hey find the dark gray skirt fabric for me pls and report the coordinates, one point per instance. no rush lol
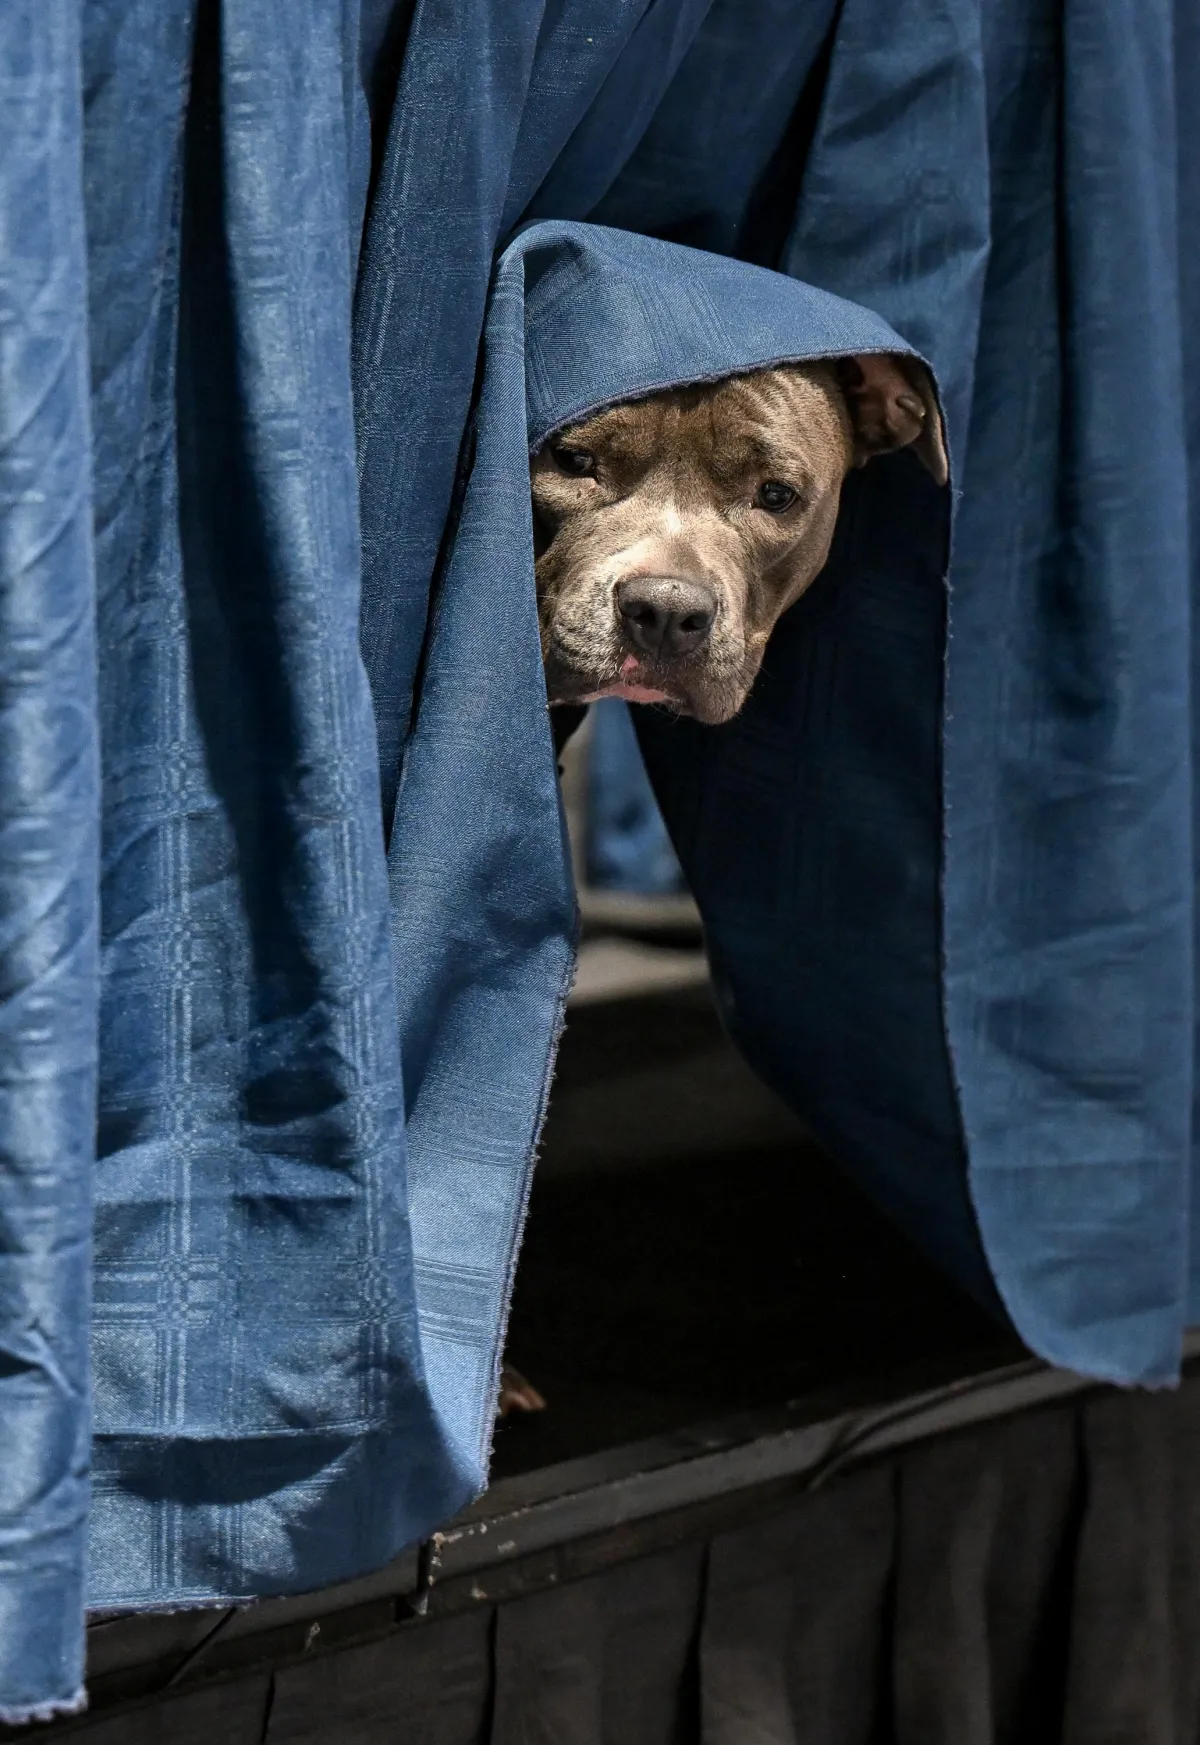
(1035, 1581)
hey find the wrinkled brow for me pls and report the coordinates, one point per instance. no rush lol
(636, 426)
(745, 449)
(736, 454)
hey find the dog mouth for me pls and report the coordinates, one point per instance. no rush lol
(629, 677)
(695, 691)
(633, 685)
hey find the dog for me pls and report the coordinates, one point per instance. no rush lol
(672, 532)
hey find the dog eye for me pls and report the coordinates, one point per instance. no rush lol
(774, 496)
(578, 463)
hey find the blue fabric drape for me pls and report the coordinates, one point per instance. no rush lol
(627, 847)
(285, 914)
(49, 897)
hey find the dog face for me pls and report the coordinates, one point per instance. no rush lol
(671, 533)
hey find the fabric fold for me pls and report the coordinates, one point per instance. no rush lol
(49, 832)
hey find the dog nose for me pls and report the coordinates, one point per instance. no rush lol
(664, 616)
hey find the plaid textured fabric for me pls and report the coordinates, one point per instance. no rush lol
(285, 913)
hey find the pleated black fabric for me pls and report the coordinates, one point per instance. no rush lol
(986, 1523)
(794, 1626)
(1033, 1581)
(225, 1715)
(1133, 1671)
(606, 1658)
(431, 1685)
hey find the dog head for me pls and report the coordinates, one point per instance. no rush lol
(671, 533)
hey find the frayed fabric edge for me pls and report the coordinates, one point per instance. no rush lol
(52, 1711)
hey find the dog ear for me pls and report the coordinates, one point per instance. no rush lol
(892, 405)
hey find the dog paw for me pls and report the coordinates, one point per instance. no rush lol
(517, 1394)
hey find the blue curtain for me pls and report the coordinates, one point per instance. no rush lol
(626, 845)
(285, 905)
